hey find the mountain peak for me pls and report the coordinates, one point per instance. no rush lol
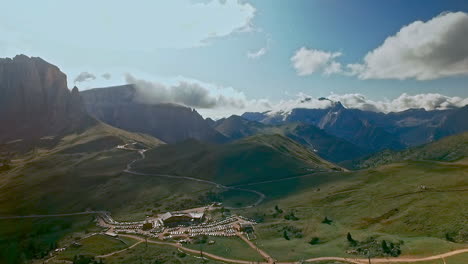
(75, 90)
(124, 107)
(337, 105)
(35, 99)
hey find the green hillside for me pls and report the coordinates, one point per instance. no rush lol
(236, 127)
(416, 203)
(82, 171)
(421, 203)
(252, 159)
(327, 146)
(450, 148)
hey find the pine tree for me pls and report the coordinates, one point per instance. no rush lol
(385, 247)
(351, 241)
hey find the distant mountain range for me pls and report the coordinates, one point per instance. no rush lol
(315, 139)
(36, 104)
(375, 131)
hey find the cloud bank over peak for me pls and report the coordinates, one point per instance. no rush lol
(191, 94)
(428, 50)
(428, 101)
(216, 102)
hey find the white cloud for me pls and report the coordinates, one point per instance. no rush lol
(307, 61)
(333, 68)
(210, 100)
(106, 76)
(188, 93)
(215, 101)
(84, 77)
(421, 50)
(256, 54)
(428, 101)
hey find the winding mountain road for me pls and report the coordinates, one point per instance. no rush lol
(50, 215)
(131, 170)
(120, 251)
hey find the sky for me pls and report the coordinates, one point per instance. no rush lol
(227, 57)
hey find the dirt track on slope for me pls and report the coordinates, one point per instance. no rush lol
(270, 260)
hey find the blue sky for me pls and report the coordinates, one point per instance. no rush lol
(255, 54)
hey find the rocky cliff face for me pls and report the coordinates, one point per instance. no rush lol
(35, 100)
(119, 107)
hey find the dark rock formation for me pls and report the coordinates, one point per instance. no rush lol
(35, 101)
(119, 106)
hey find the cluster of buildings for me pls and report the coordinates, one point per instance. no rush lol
(180, 219)
(182, 226)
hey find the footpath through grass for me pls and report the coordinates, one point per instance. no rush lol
(96, 245)
(152, 253)
(228, 247)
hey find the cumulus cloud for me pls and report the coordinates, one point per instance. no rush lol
(332, 68)
(428, 101)
(256, 54)
(83, 77)
(307, 61)
(106, 76)
(421, 50)
(216, 102)
(190, 94)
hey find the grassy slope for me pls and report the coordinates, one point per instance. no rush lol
(95, 246)
(24, 239)
(253, 159)
(457, 259)
(327, 146)
(154, 254)
(229, 247)
(362, 202)
(68, 176)
(82, 171)
(451, 148)
(386, 202)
